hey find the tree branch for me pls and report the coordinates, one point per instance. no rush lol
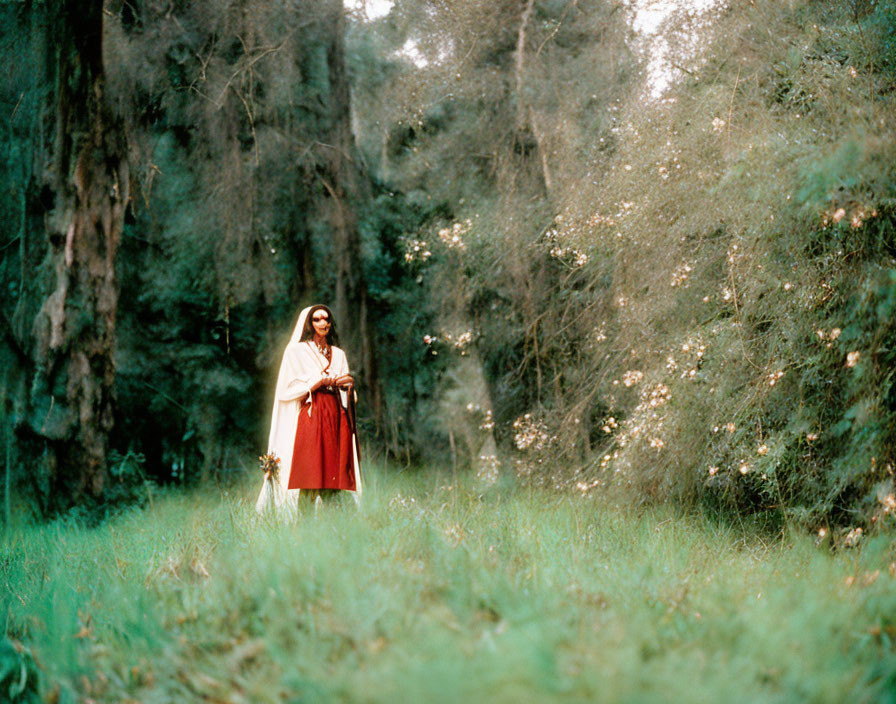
(521, 61)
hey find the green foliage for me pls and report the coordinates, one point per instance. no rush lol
(457, 132)
(665, 294)
(404, 313)
(18, 673)
(443, 592)
(881, 26)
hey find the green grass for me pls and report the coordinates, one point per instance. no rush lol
(437, 593)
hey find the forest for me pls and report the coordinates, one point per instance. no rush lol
(559, 244)
(635, 254)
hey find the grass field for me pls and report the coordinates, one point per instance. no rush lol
(439, 593)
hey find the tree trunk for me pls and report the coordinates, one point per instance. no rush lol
(342, 181)
(89, 183)
(525, 113)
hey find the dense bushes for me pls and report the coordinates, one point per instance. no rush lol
(686, 297)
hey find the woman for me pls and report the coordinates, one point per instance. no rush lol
(312, 431)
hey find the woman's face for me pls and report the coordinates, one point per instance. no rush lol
(320, 321)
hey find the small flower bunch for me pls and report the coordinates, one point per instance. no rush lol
(270, 465)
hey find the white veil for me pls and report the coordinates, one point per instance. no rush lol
(284, 417)
(300, 325)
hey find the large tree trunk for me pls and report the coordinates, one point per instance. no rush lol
(342, 181)
(89, 182)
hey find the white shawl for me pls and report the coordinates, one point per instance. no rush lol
(302, 367)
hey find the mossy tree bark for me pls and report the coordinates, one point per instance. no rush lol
(87, 190)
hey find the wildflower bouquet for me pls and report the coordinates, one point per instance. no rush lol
(270, 465)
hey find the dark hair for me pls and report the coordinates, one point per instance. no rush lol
(308, 330)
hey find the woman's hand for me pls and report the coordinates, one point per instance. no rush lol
(345, 381)
(323, 382)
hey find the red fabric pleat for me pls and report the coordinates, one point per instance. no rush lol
(322, 454)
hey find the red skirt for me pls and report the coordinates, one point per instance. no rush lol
(322, 454)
